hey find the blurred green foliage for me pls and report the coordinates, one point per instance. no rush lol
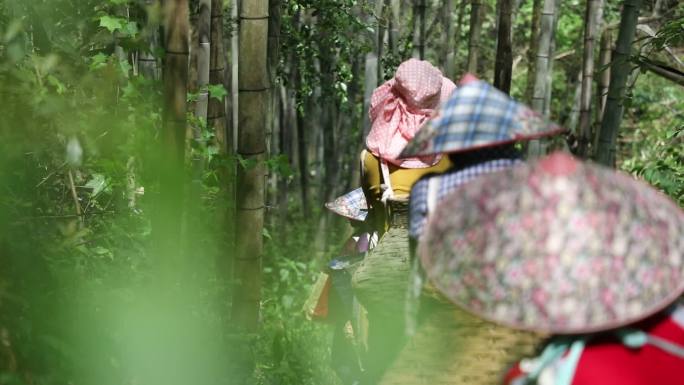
(653, 140)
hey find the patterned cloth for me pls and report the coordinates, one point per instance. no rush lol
(557, 246)
(399, 108)
(442, 185)
(477, 115)
(352, 205)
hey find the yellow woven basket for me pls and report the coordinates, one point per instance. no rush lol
(452, 346)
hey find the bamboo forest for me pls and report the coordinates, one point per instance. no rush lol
(341, 192)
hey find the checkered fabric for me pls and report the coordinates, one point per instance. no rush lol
(444, 184)
(477, 115)
(400, 106)
(352, 205)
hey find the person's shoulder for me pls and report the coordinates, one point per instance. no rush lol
(368, 160)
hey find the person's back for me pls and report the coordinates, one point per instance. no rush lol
(398, 109)
(606, 360)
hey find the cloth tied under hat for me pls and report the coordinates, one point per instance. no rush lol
(401, 106)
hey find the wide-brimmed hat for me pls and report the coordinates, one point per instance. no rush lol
(477, 115)
(557, 246)
(401, 106)
(351, 205)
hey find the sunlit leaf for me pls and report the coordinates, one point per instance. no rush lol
(111, 23)
(217, 91)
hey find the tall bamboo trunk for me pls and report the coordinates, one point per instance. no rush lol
(423, 36)
(504, 48)
(573, 118)
(203, 61)
(543, 59)
(394, 24)
(474, 35)
(542, 72)
(620, 70)
(603, 82)
(371, 78)
(303, 157)
(216, 112)
(254, 100)
(288, 131)
(274, 120)
(447, 20)
(330, 158)
(381, 9)
(593, 16)
(552, 50)
(234, 69)
(419, 28)
(535, 29)
(287, 112)
(202, 104)
(170, 165)
(148, 65)
(451, 69)
(216, 121)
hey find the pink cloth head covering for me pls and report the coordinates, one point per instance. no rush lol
(399, 108)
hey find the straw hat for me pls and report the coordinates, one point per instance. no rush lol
(477, 115)
(557, 246)
(351, 205)
(399, 108)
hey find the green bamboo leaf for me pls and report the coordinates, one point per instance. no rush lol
(111, 23)
(131, 29)
(98, 61)
(217, 91)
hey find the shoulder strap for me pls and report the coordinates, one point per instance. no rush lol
(433, 187)
(362, 162)
(633, 338)
(388, 193)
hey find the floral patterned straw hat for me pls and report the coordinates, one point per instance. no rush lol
(351, 205)
(557, 246)
(400, 106)
(477, 115)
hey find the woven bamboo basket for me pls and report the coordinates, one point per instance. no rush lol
(380, 283)
(454, 347)
(380, 280)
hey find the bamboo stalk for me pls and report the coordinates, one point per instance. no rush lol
(380, 9)
(147, 61)
(620, 70)
(446, 45)
(593, 16)
(202, 104)
(419, 30)
(543, 69)
(534, 48)
(451, 70)
(474, 35)
(504, 48)
(254, 95)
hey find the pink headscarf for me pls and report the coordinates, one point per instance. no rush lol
(399, 108)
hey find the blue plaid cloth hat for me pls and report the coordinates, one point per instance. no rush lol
(352, 205)
(477, 115)
(429, 191)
